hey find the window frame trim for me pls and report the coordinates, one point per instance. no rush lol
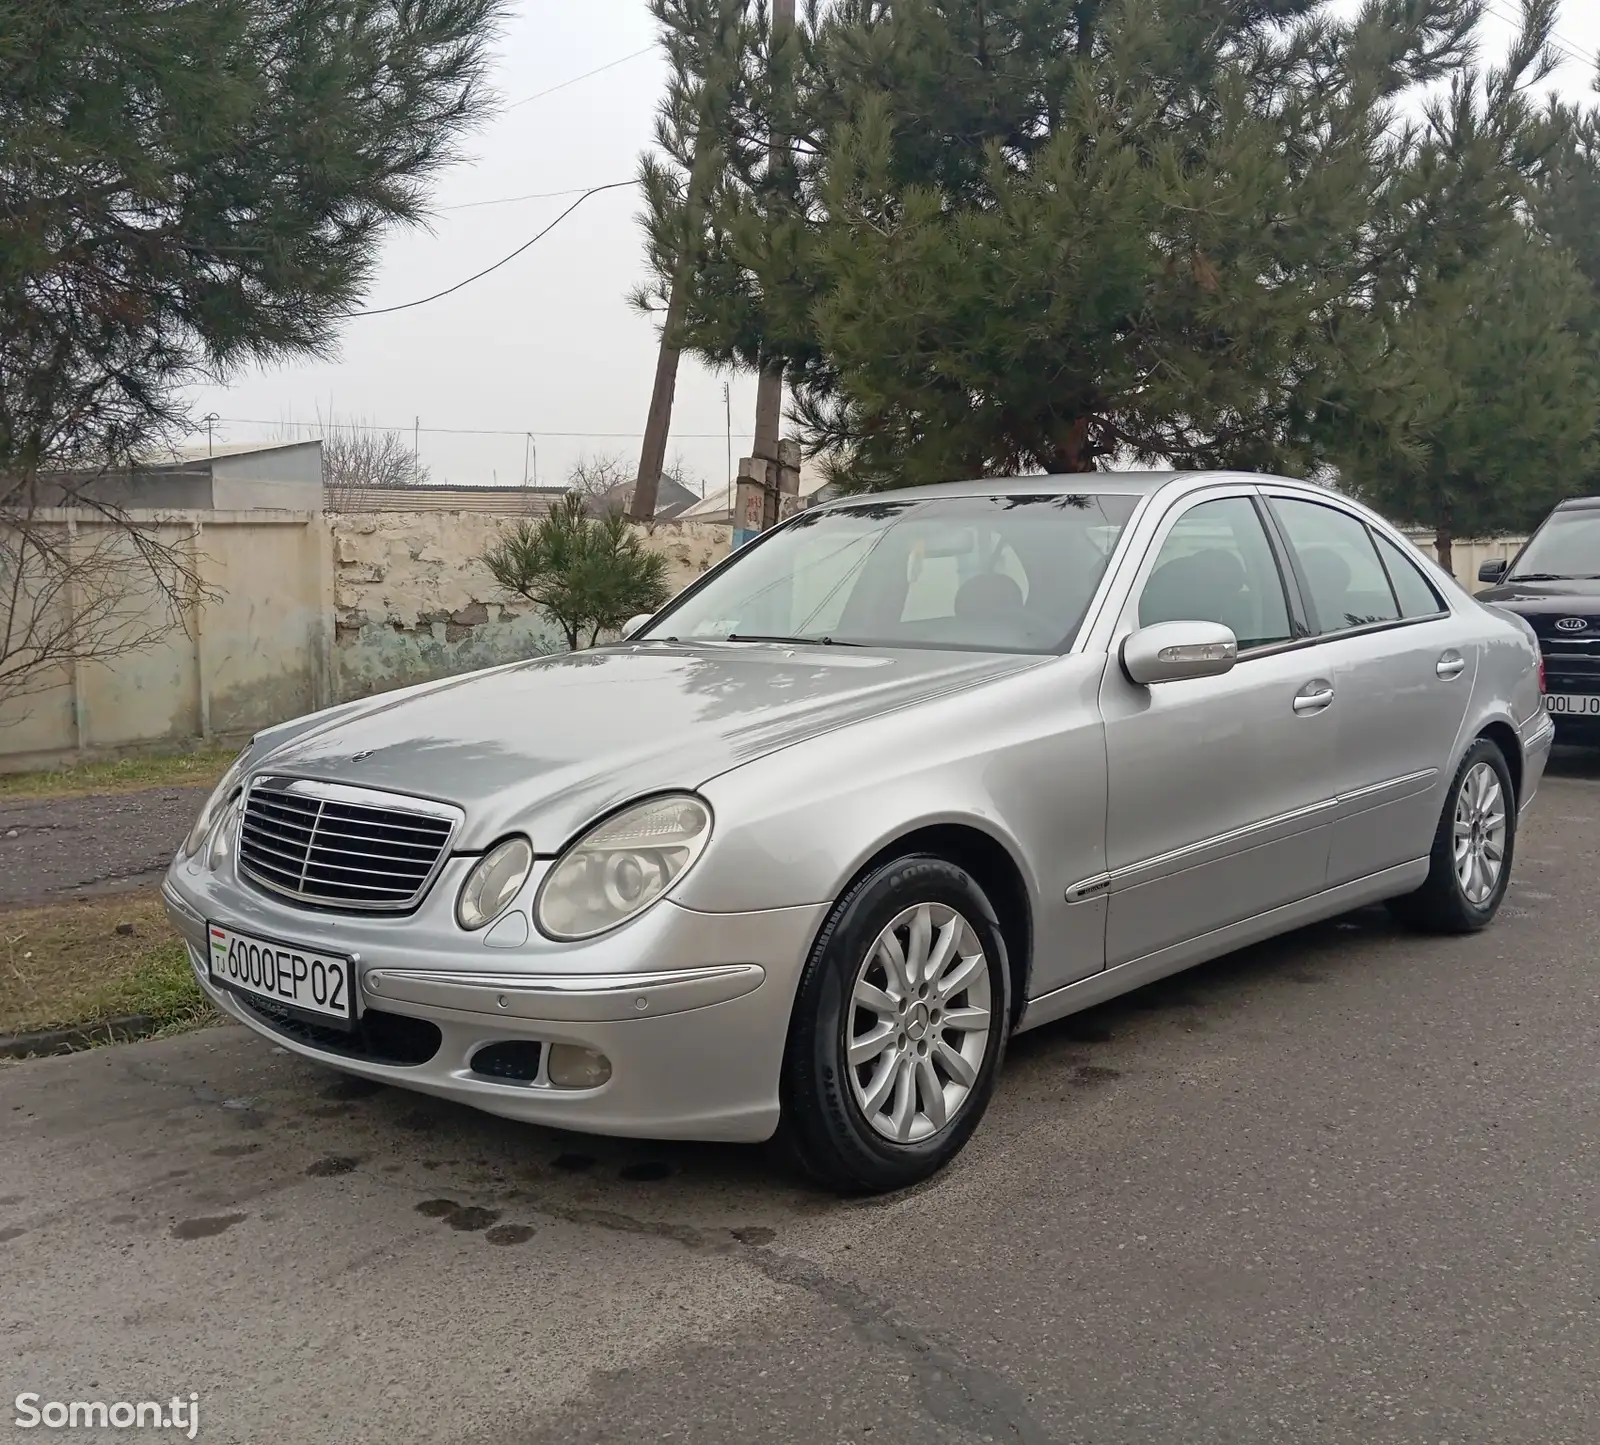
(1181, 507)
(1272, 496)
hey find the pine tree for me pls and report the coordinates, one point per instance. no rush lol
(192, 184)
(1478, 407)
(1023, 235)
(1499, 398)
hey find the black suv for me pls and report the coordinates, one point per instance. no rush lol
(1554, 582)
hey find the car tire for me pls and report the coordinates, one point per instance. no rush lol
(1450, 902)
(837, 1124)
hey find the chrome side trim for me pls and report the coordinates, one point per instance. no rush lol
(1248, 836)
(565, 997)
(1125, 977)
(1131, 873)
(1389, 785)
(1089, 888)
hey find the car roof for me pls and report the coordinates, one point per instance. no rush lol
(1575, 504)
(1131, 484)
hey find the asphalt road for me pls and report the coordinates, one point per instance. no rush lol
(57, 848)
(1341, 1188)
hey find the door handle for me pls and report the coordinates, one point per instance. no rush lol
(1313, 697)
(1451, 666)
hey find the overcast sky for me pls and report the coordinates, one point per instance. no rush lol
(547, 345)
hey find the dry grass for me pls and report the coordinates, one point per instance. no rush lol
(119, 775)
(69, 964)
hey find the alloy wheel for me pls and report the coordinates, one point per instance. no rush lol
(1480, 834)
(920, 1014)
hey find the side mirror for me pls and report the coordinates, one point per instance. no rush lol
(1493, 570)
(1176, 651)
(633, 624)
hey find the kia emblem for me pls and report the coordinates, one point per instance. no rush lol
(1572, 624)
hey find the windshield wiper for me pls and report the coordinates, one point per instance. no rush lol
(801, 641)
(1540, 577)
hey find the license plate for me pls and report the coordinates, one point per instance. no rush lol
(282, 973)
(1566, 704)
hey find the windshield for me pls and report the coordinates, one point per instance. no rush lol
(1568, 545)
(994, 574)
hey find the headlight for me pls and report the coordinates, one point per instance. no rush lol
(622, 866)
(220, 795)
(223, 833)
(493, 882)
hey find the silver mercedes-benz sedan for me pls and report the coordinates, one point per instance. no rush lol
(902, 777)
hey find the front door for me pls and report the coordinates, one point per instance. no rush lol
(1220, 788)
(1402, 666)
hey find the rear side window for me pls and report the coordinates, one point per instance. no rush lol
(1338, 564)
(1416, 594)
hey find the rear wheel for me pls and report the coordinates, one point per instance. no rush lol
(899, 1027)
(1472, 849)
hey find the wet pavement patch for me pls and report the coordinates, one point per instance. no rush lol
(333, 1165)
(206, 1225)
(1097, 1074)
(574, 1162)
(469, 1217)
(755, 1234)
(510, 1234)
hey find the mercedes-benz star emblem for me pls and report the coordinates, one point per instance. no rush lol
(1573, 624)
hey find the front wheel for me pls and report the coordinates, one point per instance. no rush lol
(1472, 849)
(899, 1027)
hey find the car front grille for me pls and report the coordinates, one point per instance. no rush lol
(339, 847)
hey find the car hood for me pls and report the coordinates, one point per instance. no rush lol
(1547, 605)
(549, 744)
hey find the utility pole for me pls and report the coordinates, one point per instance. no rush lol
(769, 384)
(770, 467)
(727, 416)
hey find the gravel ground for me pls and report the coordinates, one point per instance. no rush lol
(57, 848)
(1337, 1190)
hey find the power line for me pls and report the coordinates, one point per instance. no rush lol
(479, 275)
(507, 200)
(1557, 42)
(459, 431)
(599, 69)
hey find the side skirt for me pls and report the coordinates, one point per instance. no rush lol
(1137, 972)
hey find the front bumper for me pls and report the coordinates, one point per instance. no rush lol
(691, 1009)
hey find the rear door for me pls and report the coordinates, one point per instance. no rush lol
(1220, 788)
(1402, 666)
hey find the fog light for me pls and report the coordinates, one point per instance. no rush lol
(574, 1068)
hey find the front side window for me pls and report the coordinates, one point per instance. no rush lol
(996, 573)
(1339, 565)
(1217, 565)
(1567, 546)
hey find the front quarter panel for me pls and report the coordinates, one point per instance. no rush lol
(1021, 760)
